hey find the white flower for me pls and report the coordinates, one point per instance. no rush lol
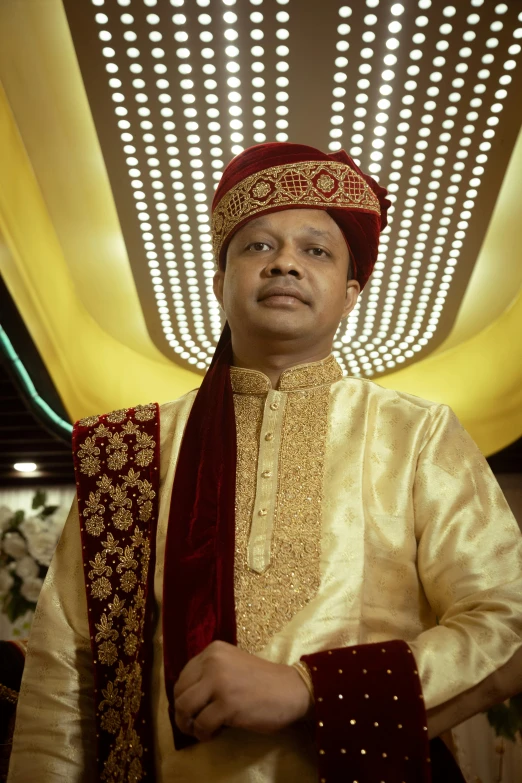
(58, 519)
(42, 548)
(6, 581)
(42, 537)
(31, 588)
(5, 516)
(31, 527)
(14, 545)
(26, 568)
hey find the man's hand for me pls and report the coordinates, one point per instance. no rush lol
(225, 686)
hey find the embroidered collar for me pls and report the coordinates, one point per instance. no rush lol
(302, 376)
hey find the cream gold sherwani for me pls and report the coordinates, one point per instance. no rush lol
(362, 515)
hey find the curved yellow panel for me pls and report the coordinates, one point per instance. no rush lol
(46, 96)
(92, 369)
(497, 275)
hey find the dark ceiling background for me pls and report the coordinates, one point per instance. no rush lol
(24, 435)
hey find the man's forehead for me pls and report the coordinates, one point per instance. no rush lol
(311, 221)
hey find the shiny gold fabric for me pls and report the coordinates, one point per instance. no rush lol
(415, 542)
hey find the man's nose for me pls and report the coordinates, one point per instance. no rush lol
(285, 263)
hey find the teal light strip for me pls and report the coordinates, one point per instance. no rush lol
(29, 386)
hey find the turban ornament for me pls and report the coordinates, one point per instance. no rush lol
(198, 588)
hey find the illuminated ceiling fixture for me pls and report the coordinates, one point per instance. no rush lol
(25, 467)
(257, 65)
(382, 344)
(420, 98)
(340, 76)
(282, 68)
(233, 66)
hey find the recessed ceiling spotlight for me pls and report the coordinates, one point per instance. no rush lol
(25, 467)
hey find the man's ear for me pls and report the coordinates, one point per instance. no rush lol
(353, 289)
(219, 279)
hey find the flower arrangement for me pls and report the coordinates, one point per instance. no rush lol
(27, 545)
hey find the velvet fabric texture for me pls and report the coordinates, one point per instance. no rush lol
(360, 229)
(116, 464)
(369, 714)
(199, 555)
(12, 659)
(444, 768)
(370, 718)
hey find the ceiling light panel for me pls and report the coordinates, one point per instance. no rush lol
(419, 94)
(416, 114)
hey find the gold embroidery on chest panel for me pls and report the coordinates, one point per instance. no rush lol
(266, 602)
(249, 417)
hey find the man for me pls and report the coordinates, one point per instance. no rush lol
(328, 556)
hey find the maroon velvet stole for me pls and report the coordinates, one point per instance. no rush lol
(198, 588)
(116, 460)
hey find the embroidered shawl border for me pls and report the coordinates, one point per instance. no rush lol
(116, 459)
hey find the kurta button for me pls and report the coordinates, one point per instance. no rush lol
(262, 512)
(274, 406)
(267, 474)
(269, 436)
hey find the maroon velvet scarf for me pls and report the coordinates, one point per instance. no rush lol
(198, 587)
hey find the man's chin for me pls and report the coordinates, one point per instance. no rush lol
(273, 324)
(281, 328)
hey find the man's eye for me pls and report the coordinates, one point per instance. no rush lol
(257, 246)
(318, 251)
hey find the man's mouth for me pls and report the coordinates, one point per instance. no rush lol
(282, 295)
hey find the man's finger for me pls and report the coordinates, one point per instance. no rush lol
(186, 726)
(190, 675)
(190, 703)
(209, 721)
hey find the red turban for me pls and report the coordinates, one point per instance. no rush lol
(271, 177)
(198, 585)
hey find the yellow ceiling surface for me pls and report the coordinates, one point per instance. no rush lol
(64, 260)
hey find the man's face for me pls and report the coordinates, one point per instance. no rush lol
(286, 277)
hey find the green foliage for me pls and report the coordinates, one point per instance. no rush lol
(18, 518)
(15, 605)
(506, 718)
(39, 499)
(516, 702)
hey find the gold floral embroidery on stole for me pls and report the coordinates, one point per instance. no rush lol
(118, 512)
